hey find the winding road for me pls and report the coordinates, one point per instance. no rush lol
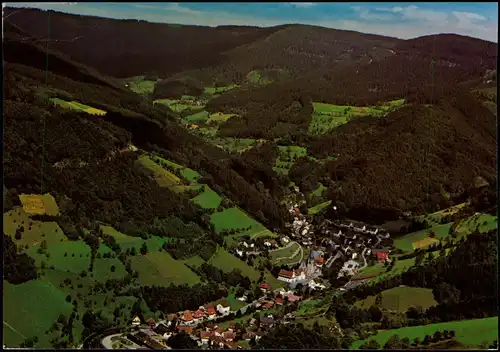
(293, 255)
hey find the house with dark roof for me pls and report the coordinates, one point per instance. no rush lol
(161, 329)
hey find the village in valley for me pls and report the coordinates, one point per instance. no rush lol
(215, 326)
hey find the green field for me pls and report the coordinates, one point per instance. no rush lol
(163, 177)
(469, 332)
(287, 156)
(234, 218)
(102, 266)
(186, 173)
(485, 223)
(318, 208)
(405, 243)
(177, 105)
(328, 116)
(207, 199)
(220, 117)
(77, 106)
(67, 255)
(225, 261)
(140, 85)
(318, 192)
(435, 218)
(49, 231)
(127, 242)
(285, 253)
(29, 310)
(199, 116)
(379, 269)
(216, 90)
(399, 299)
(159, 268)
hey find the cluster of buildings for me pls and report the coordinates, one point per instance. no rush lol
(301, 229)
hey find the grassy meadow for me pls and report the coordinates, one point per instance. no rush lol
(78, 107)
(328, 116)
(469, 332)
(234, 218)
(399, 299)
(207, 199)
(140, 85)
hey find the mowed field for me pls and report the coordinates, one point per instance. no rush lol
(399, 299)
(74, 105)
(163, 177)
(234, 218)
(328, 116)
(469, 332)
(36, 204)
(34, 231)
(159, 268)
(220, 117)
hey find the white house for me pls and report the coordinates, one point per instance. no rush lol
(240, 253)
(267, 244)
(223, 310)
(291, 276)
(245, 244)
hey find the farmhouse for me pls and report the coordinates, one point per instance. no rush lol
(381, 254)
(264, 287)
(188, 318)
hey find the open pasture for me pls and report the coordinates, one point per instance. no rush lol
(234, 218)
(67, 255)
(219, 117)
(30, 309)
(197, 117)
(399, 299)
(159, 268)
(328, 116)
(227, 262)
(34, 231)
(424, 243)
(287, 156)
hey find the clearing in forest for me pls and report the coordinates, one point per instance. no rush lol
(163, 177)
(177, 105)
(470, 332)
(187, 173)
(328, 116)
(218, 90)
(235, 145)
(399, 299)
(127, 242)
(199, 116)
(34, 231)
(74, 105)
(35, 204)
(287, 156)
(208, 199)
(424, 243)
(159, 268)
(140, 85)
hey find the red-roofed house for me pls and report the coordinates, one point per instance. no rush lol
(228, 336)
(211, 311)
(198, 315)
(264, 287)
(293, 298)
(188, 318)
(205, 336)
(291, 276)
(278, 300)
(267, 305)
(319, 261)
(382, 256)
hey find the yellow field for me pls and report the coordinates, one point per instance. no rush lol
(424, 243)
(220, 117)
(94, 111)
(163, 177)
(35, 204)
